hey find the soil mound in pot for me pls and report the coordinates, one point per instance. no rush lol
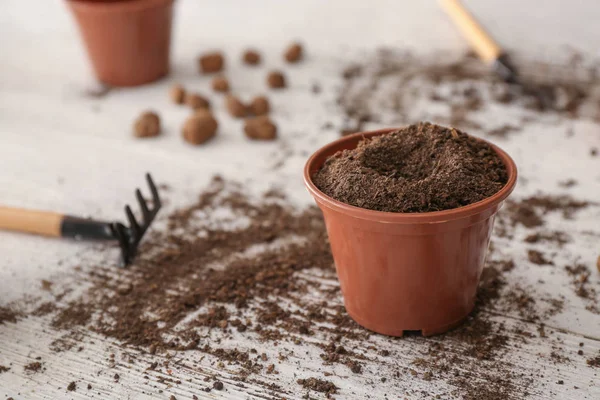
(419, 168)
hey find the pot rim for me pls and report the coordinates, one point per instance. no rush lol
(403, 218)
(118, 6)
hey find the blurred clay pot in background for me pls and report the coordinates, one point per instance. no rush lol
(127, 41)
(407, 271)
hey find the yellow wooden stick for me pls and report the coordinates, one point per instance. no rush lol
(31, 221)
(483, 44)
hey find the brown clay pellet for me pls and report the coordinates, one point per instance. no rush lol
(200, 127)
(276, 80)
(293, 53)
(251, 57)
(260, 128)
(235, 107)
(147, 125)
(210, 63)
(259, 105)
(177, 94)
(196, 101)
(220, 84)
(202, 112)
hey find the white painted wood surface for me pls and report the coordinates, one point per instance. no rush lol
(61, 150)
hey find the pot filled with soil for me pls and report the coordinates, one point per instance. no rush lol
(409, 214)
(127, 41)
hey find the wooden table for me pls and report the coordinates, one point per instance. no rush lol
(62, 149)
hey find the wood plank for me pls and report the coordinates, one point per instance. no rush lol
(64, 151)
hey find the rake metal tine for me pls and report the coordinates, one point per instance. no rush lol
(133, 224)
(130, 237)
(143, 206)
(123, 239)
(154, 191)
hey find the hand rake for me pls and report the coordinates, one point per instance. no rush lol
(60, 225)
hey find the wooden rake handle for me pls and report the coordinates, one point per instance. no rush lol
(31, 221)
(49, 223)
(486, 48)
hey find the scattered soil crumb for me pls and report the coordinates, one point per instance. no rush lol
(46, 285)
(594, 362)
(7, 314)
(502, 131)
(33, 367)
(538, 258)
(554, 237)
(568, 183)
(530, 211)
(318, 385)
(582, 287)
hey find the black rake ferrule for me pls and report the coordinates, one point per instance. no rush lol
(86, 229)
(505, 69)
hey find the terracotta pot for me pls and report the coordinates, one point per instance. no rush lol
(127, 40)
(407, 271)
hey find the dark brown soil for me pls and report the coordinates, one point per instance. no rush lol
(580, 281)
(530, 211)
(538, 258)
(7, 314)
(556, 237)
(33, 367)
(198, 272)
(73, 313)
(464, 85)
(420, 168)
(178, 261)
(318, 385)
(72, 387)
(502, 131)
(3, 369)
(238, 297)
(594, 362)
(568, 183)
(218, 385)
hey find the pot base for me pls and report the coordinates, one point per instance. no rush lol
(131, 82)
(429, 331)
